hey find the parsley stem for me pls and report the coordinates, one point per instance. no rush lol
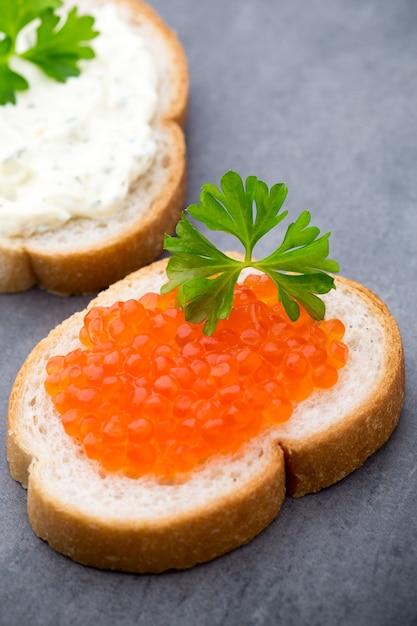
(248, 257)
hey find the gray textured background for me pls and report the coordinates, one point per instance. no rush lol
(321, 95)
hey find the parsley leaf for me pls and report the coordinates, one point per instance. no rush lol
(10, 82)
(57, 49)
(206, 277)
(15, 14)
(57, 52)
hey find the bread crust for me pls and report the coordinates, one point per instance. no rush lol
(64, 264)
(177, 542)
(284, 458)
(325, 458)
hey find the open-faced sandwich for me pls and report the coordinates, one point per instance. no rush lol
(93, 102)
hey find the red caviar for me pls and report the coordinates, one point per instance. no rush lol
(149, 393)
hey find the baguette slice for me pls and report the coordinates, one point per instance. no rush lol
(145, 525)
(85, 255)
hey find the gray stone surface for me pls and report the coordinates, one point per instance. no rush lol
(321, 95)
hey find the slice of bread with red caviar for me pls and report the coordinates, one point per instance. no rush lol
(86, 255)
(108, 520)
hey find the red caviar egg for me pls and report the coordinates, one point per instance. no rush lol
(149, 393)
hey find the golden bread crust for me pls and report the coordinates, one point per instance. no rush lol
(177, 542)
(66, 264)
(326, 457)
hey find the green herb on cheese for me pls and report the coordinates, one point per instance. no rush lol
(58, 47)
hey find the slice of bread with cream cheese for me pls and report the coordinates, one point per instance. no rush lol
(92, 171)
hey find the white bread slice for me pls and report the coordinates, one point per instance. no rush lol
(144, 525)
(83, 255)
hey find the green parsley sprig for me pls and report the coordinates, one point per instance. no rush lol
(57, 49)
(206, 277)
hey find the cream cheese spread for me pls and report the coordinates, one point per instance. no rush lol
(74, 149)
